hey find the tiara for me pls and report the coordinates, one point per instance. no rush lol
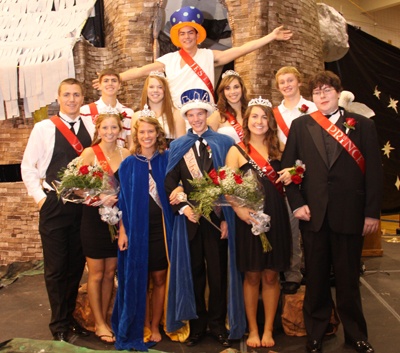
(230, 73)
(260, 101)
(109, 110)
(157, 73)
(146, 112)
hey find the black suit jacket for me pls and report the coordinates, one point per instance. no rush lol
(180, 175)
(340, 190)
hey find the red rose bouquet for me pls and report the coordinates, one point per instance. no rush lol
(81, 183)
(243, 190)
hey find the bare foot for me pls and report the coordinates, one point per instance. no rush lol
(267, 340)
(253, 340)
(155, 335)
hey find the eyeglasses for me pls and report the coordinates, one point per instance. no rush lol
(324, 91)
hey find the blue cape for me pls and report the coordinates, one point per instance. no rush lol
(128, 315)
(181, 302)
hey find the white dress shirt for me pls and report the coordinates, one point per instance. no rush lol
(39, 151)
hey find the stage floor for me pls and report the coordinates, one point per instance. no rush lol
(25, 314)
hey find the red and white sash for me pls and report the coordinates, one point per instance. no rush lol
(281, 123)
(235, 124)
(191, 163)
(197, 70)
(68, 134)
(102, 159)
(341, 138)
(94, 112)
(262, 166)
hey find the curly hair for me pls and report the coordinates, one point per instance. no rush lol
(161, 144)
(100, 119)
(271, 136)
(167, 105)
(223, 104)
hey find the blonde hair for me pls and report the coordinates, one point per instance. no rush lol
(288, 70)
(161, 143)
(100, 119)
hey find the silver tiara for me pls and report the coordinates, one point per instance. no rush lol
(260, 101)
(146, 112)
(230, 73)
(109, 110)
(157, 73)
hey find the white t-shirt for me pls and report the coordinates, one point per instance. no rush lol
(183, 79)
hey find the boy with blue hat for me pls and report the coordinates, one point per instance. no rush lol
(200, 250)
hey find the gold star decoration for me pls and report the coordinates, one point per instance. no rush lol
(393, 104)
(397, 184)
(377, 93)
(387, 149)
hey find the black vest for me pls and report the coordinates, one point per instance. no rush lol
(64, 153)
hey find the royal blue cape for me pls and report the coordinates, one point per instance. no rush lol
(128, 315)
(181, 303)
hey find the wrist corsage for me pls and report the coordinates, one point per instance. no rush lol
(297, 172)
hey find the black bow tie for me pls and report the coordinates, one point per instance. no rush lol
(329, 115)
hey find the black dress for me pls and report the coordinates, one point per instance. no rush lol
(95, 234)
(157, 253)
(249, 252)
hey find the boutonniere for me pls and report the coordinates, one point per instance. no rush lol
(123, 115)
(297, 172)
(350, 124)
(209, 151)
(303, 109)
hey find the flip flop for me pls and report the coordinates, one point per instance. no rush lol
(100, 338)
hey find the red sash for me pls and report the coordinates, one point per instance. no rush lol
(102, 159)
(94, 112)
(281, 123)
(238, 128)
(341, 138)
(197, 70)
(264, 166)
(68, 134)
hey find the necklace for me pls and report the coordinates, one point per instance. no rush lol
(112, 153)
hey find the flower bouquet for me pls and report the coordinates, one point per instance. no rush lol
(241, 189)
(81, 183)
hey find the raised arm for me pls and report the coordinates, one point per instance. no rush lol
(226, 56)
(143, 71)
(136, 72)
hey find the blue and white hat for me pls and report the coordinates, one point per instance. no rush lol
(187, 16)
(196, 99)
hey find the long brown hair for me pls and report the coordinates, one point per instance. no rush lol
(161, 144)
(271, 140)
(167, 107)
(223, 104)
(100, 119)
